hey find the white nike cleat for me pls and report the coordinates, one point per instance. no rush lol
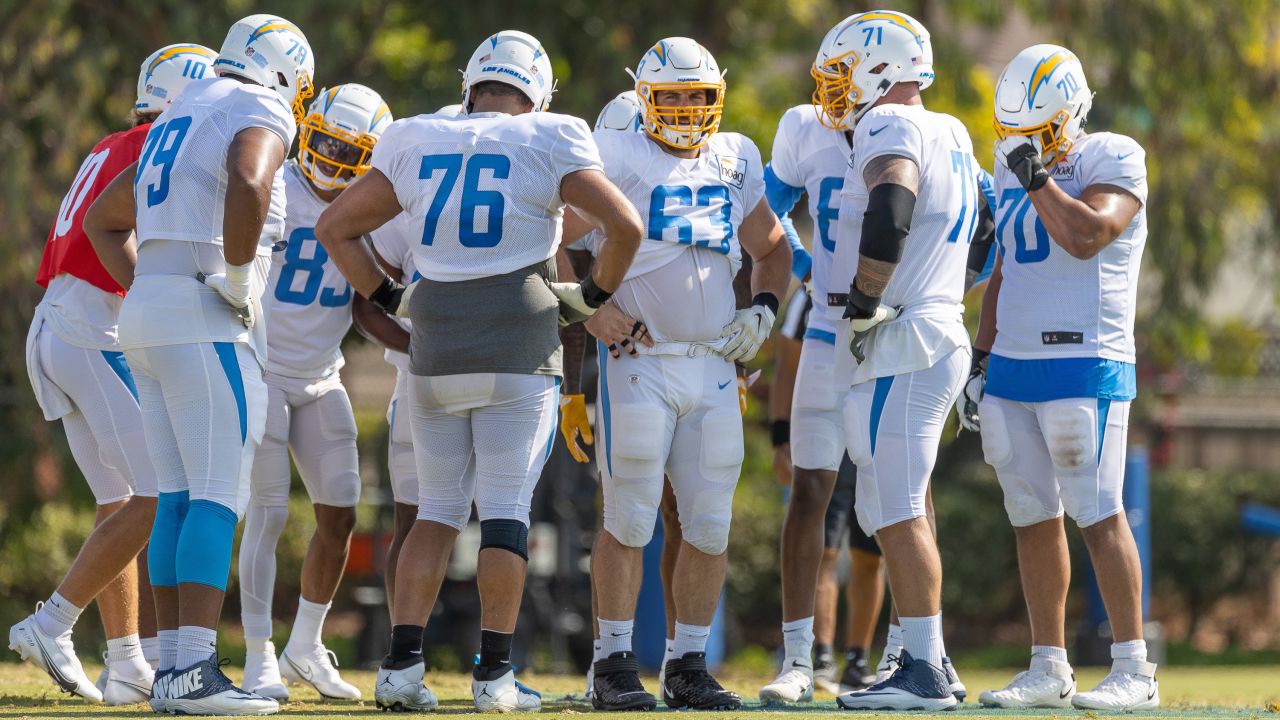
(203, 689)
(262, 674)
(56, 656)
(1048, 684)
(128, 683)
(504, 694)
(401, 689)
(793, 685)
(1131, 685)
(317, 667)
(101, 682)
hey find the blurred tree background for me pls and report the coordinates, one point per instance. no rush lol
(1196, 83)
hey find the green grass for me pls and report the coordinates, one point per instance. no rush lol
(1217, 692)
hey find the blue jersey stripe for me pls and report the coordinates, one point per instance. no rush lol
(878, 398)
(118, 364)
(231, 366)
(602, 353)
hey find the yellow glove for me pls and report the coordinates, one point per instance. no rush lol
(744, 385)
(574, 425)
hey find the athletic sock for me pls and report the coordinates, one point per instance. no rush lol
(151, 651)
(669, 653)
(1129, 650)
(1046, 653)
(893, 643)
(406, 645)
(125, 658)
(168, 640)
(495, 654)
(255, 644)
(922, 638)
(307, 625)
(691, 639)
(56, 616)
(615, 636)
(797, 639)
(195, 645)
(257, 631)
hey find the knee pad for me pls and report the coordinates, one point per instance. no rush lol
(204, 548)
(708, 531)
(1071, 432)
(509, 535)
(817, 439)
(171, 511)
(636, 434)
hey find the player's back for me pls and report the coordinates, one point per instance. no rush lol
(1054, 305)
(484, 188)
(181, 184)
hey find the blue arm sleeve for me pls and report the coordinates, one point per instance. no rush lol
(782, 198)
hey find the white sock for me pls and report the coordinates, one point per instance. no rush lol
(1129, 650)
(922, 637)
(615, 636)
(797, 639)
(1048, 652)
(195, 645)
(168, 640)
(670, 652)
(255, 645)
(256, 627)
(151, 651)
(307, 625)
(893, 643)
(691, 639)
(57, 615)
(124, 657)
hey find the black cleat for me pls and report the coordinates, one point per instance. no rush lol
(687, 684)
(617, 687)
(857, 675)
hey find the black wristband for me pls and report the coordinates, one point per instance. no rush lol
(766, 299)
(592, 294)
(387, 296)
(779, 432)
(1027, 166)
(980, 358)
(859, 305)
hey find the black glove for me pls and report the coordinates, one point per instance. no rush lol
(388, 295)
(1025, 164)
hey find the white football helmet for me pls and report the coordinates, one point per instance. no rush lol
(679, 63)
(864, 56)
(624, 112)
(1043, 95)
(167, 71)
(515, 58)
(336, 138)
(274, 53)
(455, 110)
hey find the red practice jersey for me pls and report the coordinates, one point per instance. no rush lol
(68, 249)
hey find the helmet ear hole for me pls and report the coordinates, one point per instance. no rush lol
(281, 79)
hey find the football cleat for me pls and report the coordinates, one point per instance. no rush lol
(160, 691)
(953, 680)
(857, 675)
(888, 664)
(824, 676)
(55, 655)
(401, 689)
(127, 685)
(617, 686)
(793, 685)
(317, 667)
(262, 674)
(591, 681)
(1131, 685)
(687, 684)
(1048, 684)
(915, 685)
(203, 689)
(503, 693)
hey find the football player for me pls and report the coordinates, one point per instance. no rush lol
(81, 377)
(308, 411)
(207, 198)
(1060, 374)
(910, 198)
(674, 406)
(486, 257)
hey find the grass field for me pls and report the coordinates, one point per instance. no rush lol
(1218, 692)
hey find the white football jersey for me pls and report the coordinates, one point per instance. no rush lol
(1053, 305)
(484, 188)
(680, 284)
(308, 301)
(181, 182)
(395, 242)
(928, 285)
(808, 155)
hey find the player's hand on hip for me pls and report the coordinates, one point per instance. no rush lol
(972, 391)
(574, 425)
(748, 331)
(233, 286)
(573, 306)
(618, 331)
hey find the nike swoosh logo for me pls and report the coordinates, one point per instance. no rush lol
(797, 663)
(305, 675)
(1063, 695)
(724, 384)
(1121, 157)
(614, 634)
(1151, 694)
(876, 132)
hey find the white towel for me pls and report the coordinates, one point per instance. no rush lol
(53, 401)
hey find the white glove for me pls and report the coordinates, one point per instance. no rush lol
(233, 286)
(971, 393)
(861, 327)
(748, 331)
(573, 307)
(402, 310)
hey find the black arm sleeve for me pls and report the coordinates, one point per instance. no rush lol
(886, 222)
(984, 234)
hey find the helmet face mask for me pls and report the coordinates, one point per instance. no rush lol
(862, 58)
(681, 93)
(337, 136)
(1043, 95)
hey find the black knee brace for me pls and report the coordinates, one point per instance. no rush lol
(510, 535)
